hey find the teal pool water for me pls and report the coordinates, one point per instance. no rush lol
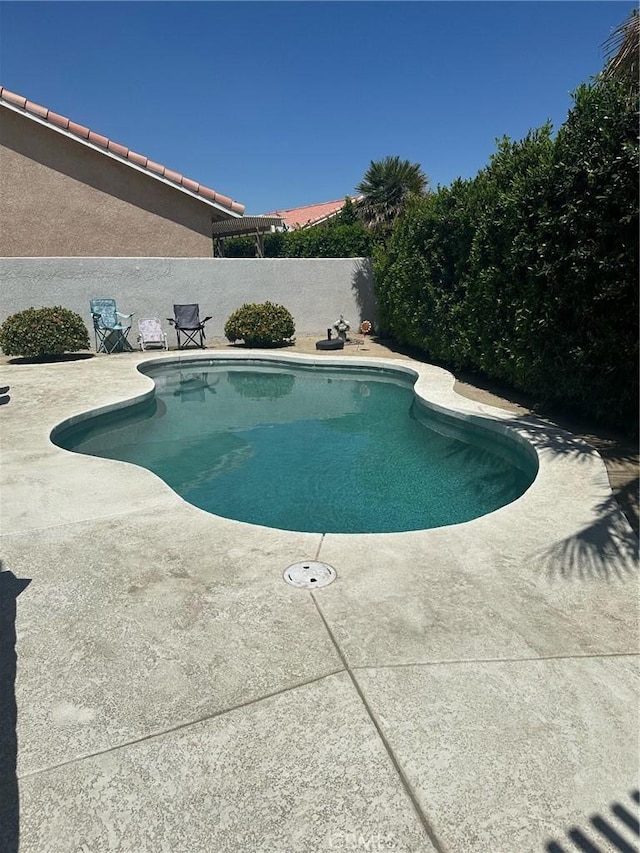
(343, 450)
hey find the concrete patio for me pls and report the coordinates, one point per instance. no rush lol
(469, 689)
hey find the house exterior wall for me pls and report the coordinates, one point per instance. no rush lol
(315, 290)
(60, 198)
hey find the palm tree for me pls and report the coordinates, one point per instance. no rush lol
(386, 187)
(621, 50)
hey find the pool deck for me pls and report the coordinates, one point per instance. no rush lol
(469, 689)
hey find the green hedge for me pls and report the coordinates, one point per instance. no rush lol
(321, 241)
(529, 271)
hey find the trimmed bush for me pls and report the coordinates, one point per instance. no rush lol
(260, 325)
(39, 332)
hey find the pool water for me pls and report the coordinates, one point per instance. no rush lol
(318, 450)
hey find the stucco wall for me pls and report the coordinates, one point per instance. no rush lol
(60, 198)
(316, 291)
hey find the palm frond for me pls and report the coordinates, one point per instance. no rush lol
(621, 51)
(386, 188)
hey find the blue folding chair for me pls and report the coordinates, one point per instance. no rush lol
(111, 335)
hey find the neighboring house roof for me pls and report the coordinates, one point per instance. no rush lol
(311, 214)
(120, 152)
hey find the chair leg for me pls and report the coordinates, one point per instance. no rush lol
(191, 336)
(115, 340)
(101, 341)
(124, 336)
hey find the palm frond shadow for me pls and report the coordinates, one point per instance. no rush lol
(503, 483)
(606, 830)
(362, 285)
(605, 550)
(545, 435)
(608, 548)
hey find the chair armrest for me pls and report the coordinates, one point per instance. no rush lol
(205, 320)
(124, 316)
(171, 320)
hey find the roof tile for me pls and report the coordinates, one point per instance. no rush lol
(98, 139)
(57, 119)
(155, 167)
(84, 133)
(79, 129)
(138, 159)
(36, 109)
(299, 217)
(13, 98)
(222, 199)
(122, 150)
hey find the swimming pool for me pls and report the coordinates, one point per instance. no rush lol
(308, 448)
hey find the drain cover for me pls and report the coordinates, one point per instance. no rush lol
(310, 574)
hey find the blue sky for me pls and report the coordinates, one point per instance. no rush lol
(283, 104)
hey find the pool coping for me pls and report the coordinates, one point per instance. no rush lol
(434, 388)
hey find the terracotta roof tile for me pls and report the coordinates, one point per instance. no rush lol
(79, 129)
(18, 100)
(85, 134)
(138, 159)
(223, 200)
(116, 148)
(155, 167)
(300, 217)
(37, 110)
(58, 120)
(98, 139)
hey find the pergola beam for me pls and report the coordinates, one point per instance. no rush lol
(244, 226)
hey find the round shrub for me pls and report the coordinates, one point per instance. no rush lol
(260, 325)
(38, 332)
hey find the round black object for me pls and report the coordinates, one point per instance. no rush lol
(336, 343)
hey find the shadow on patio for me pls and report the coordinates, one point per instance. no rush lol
(622, 820)
(10, 589)
(607, 548)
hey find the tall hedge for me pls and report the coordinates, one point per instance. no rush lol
(349, 240)
(529, 271)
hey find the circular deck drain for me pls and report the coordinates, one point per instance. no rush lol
(310, 574)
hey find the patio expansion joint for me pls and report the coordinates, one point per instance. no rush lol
(529, 659)
(180, 726)
(320, 544)
(406, 784)
(135, 510)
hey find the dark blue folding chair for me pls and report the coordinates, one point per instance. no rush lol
(188, 325)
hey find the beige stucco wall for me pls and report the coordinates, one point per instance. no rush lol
(59, 198)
